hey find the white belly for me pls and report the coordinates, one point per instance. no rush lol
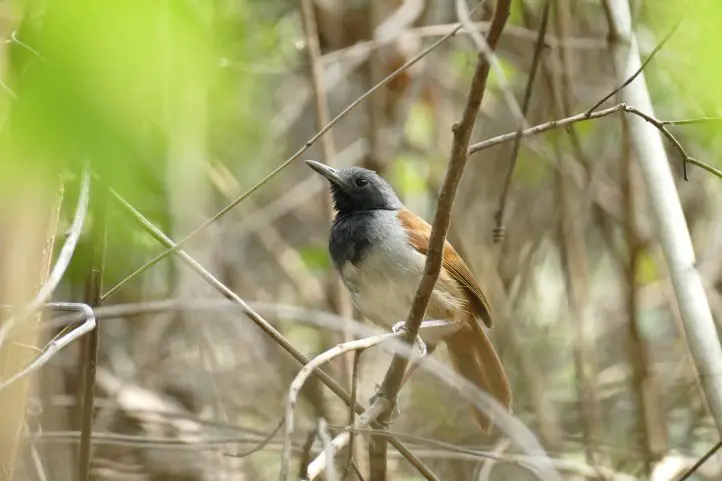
(384, 283)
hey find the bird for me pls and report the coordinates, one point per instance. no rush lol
(378, 247)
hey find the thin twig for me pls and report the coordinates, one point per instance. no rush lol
(61, 264)
(538, 49)
(458, 157)
(318, 465)
(700, 120)
(262, 444)
(639, 70)
(35, 455)
(378, 408)
(351, 413)
(574, 261)
(362, 49)
(288, 161)
(707, 167)
(575, 273)
(499, 448)
(328, 450)
(622, 107)
(264, 325)
(306, 455)
(464, 15)
(701, 461)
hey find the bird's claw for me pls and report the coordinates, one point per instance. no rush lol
(401, 327)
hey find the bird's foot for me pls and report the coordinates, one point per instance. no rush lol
(401, 327)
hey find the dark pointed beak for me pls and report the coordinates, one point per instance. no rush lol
(329, 172)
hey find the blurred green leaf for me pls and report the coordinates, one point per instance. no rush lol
(530, 169)
(406, 175)
(463, 62)
(647, 270)
(510, 72)
(315, 257)
(687, 66)
(419, 127)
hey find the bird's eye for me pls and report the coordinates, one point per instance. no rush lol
(361, 182)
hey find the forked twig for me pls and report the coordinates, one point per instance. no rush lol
(639, 70)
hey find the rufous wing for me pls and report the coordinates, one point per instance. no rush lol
(419, 232)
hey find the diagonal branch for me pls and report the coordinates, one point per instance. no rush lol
(440, 226)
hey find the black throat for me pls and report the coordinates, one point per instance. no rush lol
(352, 234)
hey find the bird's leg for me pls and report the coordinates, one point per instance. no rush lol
(440, 330)
(401, 326)
(415, 362)
(397, 328)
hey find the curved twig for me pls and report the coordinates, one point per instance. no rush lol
(61, 264)
(301, 379)
(55, 345)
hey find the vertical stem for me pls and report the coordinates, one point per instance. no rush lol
(651, 421)
(573, 260)
(573, 244)
(375, 106)
(439, 228)
(666, 210)
(574, 263)
(93, 292)
(338, 297)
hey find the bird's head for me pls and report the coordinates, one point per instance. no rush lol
(357, 189)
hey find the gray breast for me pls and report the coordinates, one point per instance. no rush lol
(381, 270)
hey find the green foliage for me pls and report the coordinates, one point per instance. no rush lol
(316, 257)
(530, 169)
(687, 65)
(511, 73)
(420, 125)
(463, 62)
(102, 82)
(112, 82)
(647, 270)
(406, 176)
(115, 84)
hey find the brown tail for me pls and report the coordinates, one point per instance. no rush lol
(475, 359)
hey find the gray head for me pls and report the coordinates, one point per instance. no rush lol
(357, 189)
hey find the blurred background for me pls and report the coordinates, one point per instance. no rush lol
(181, 106)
